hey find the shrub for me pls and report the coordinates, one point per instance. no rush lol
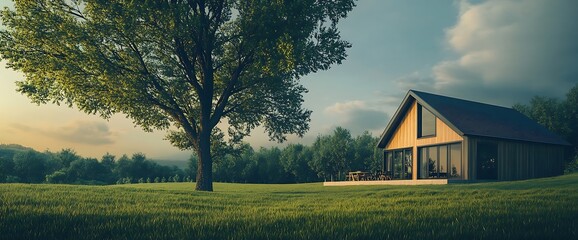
(126, 180)
(57, 177)
(12, 179)
(572, 166)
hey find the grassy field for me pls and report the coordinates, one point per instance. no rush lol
(533, 209)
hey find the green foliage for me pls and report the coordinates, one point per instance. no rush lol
(7, 152)
(559, 116)
(29, 166)
(571, 117)
(88, 169)
(572, 166)
(181, 64)
(295, 159)
(269, 168)
(108, 161)
(333, 154)
(6, 168)
(533, 209)
(192, 167)
(59, 176)
(248, 165)
(549, 112)
(66, 156)
(294, 163)
(367, 156)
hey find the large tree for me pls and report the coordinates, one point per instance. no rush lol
(333, 154)
(178, 65)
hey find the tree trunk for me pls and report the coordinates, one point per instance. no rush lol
(205, 164)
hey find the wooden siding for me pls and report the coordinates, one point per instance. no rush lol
(405, 136)
(520, 160)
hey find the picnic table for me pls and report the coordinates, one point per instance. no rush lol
(367, 176)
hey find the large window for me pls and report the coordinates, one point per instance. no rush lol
(432, 162)
(442, 161)
(388, 157)
(398, 164)
(456, 171)
(426, 122)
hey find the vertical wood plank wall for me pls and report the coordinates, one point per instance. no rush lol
(520, 160)
(405, 136)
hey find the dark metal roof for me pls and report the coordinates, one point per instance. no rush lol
(475, 119)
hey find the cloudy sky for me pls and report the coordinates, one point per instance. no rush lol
(500, 52)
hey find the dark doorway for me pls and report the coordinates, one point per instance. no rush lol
(487, 159)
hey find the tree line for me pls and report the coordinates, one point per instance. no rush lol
(559, 116)
(25, 165)
(328, 158)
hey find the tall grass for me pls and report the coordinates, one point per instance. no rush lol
(533, 209)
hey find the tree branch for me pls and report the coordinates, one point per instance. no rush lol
(224, 98)
(188, 66)
(189, 125)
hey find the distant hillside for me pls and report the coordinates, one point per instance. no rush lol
(15, 147)
(8, 151)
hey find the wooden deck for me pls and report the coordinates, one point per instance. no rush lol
(387, 182)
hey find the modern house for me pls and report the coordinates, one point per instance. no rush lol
(438, 137)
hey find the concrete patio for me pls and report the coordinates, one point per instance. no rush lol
(387, 182)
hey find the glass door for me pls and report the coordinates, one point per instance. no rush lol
(398, 163)
(407, 164)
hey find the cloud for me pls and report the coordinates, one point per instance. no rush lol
(511, 50)
(505, 52)
(358, 116)
(83, 132)
(88, 132)
(22, 127)
(341, 108)
(389, 100)
(415, 81)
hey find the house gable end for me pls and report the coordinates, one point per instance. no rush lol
(401, 131)
(395, 120)
(406, 133)
(435, 112)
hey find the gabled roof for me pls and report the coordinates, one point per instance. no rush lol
(468, 118)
